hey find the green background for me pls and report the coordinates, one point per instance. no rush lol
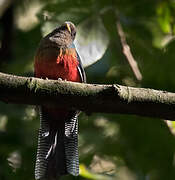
(111, 146)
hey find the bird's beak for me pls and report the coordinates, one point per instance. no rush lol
(68, 27)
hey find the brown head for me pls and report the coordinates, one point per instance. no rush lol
(70, 27)
(60, 37)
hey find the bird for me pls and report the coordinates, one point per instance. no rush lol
(56, 58)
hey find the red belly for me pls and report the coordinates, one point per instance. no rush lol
(64, 68)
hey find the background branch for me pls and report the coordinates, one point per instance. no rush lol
(87, 97)
(127, 52)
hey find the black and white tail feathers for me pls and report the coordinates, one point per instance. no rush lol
(57, 152)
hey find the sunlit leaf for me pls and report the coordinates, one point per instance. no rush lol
(84, 172)
(91, 41)
(164, 17)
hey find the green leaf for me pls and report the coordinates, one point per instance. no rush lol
(164, 17)
(91, 41)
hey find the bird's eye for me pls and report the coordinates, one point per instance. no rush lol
(63, 27)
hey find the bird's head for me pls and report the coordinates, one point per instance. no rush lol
(62, 36)
(70, 28)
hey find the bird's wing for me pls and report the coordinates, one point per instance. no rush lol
(81, 69)
(80, 65)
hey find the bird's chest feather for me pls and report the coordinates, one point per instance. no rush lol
(54, 64)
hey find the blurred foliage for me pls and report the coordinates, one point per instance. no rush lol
(111, 146)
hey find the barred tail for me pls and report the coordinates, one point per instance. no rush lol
(71, 146)
(57, 152)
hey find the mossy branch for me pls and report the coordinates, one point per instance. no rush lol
(90, 98)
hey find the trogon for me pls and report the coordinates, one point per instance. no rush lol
(57, 153)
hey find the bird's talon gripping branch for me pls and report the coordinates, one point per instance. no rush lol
(59, 79)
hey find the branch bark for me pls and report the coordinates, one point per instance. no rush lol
(87, 97)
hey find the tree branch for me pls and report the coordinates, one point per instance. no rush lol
(87, 97)
(127, 52)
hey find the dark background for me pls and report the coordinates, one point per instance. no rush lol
(111, 146)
